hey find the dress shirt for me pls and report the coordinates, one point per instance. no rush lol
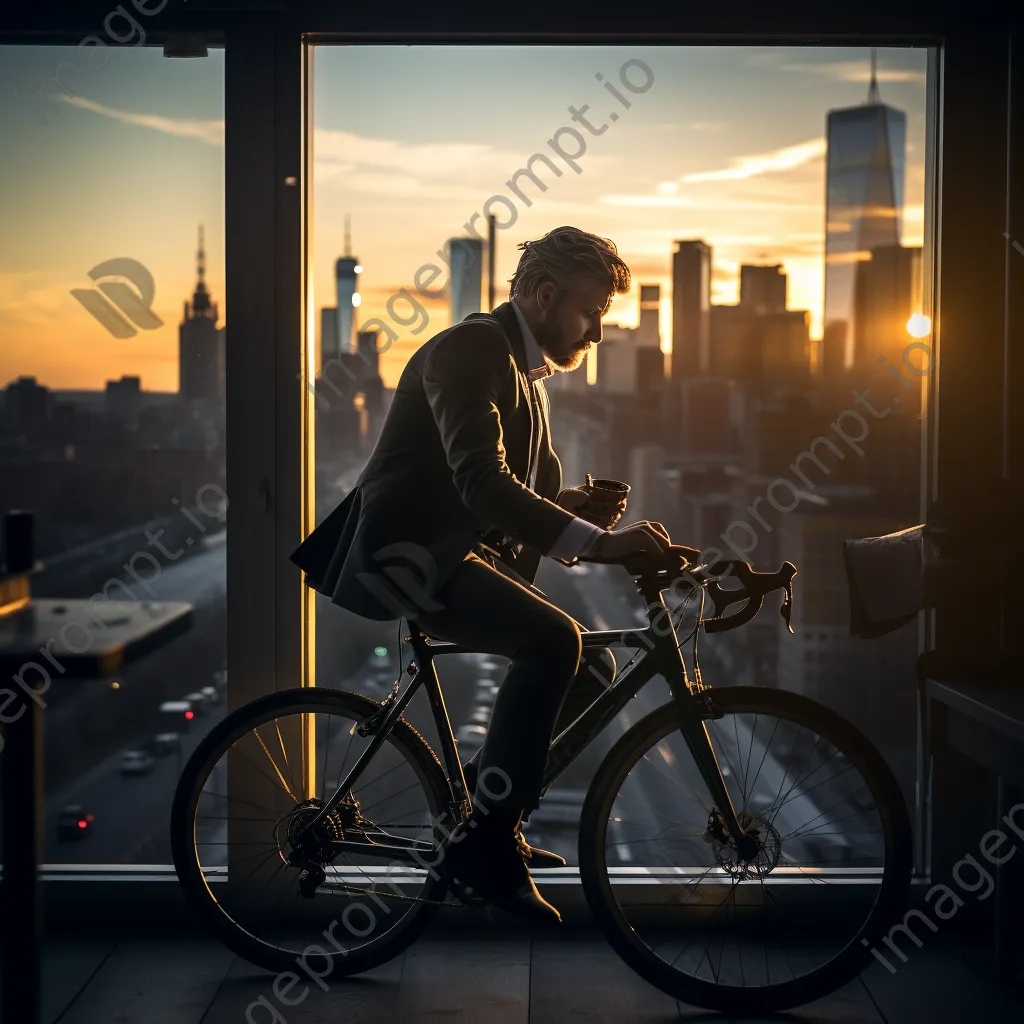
(579, 536)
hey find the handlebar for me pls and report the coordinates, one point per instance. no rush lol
(754, 586)
(678, 560)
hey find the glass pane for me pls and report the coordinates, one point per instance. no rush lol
(770, 203)
(112, 370)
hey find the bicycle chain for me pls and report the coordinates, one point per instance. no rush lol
(352, 890)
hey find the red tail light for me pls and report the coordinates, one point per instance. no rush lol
(82, 823)
(190, 714)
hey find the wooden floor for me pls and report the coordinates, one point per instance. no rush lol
(486, 975)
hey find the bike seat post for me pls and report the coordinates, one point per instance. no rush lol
(461, 804)
(419, 640)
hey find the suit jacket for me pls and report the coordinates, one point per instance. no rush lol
(447, 469)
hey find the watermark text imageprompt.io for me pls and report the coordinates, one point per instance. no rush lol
(567, 143)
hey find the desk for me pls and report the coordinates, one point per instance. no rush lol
(85, 639)
(971, 725)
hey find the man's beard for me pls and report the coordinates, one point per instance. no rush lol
(570, 359)
(573, 359)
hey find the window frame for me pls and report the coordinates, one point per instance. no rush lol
(972, 281)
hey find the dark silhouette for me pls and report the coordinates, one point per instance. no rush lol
(458, 502)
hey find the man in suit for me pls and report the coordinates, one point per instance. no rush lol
(449, 518)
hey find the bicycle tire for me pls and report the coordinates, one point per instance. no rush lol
(190, 873)
(852, 959)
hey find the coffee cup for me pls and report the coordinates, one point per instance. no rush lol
(606, 496)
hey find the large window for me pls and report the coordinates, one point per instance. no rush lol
(771, 205)
(112, 422)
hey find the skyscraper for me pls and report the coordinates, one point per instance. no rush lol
(629, 359)
(888, 291)
(650, 360)
(369, 353)
(328, 332)
(648, 333)
(345, 270)
(691, 308)
(760, 348)
(465, 257)
(763, 288)
(616, 360)
(863, 208)
(200, 342)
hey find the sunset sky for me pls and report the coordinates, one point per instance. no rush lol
(727, 145)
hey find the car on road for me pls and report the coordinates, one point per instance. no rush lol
(180, 712)
(135, 762)
(487, 663)
(211, 693)
(480, 715)
(74, 822)
(199, 701)
(165, 743)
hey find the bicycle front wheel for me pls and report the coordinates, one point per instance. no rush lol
(290, 895)
(690, 915)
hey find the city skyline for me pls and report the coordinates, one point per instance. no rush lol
(729, 170)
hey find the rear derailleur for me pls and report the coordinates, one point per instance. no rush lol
(312, 847)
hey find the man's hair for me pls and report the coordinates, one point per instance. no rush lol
(565, 254)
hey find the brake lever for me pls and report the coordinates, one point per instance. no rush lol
(786, 611)
(722, 598)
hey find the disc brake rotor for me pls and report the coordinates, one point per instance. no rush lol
(768, 846)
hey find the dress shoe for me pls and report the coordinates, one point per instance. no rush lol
(492, 868)
(534, 856)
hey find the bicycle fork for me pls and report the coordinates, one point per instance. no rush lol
(694, 731)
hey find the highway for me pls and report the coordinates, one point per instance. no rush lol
(132, 812)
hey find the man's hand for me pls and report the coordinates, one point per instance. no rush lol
(638, 539)
(572, 499)
(580, 502)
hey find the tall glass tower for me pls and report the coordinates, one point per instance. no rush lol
(863, 208)
(465, 256)
(345, 270)
(691, 309)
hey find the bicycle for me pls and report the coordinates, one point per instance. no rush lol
(760, 884)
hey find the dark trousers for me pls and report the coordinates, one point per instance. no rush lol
(488, 611)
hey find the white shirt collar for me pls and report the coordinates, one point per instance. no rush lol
(535, 361)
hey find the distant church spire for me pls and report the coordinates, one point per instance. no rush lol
(348, 235)
(201, 256)
(201, 305)
(873, 96)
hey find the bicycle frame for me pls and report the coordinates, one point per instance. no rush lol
(664, 656)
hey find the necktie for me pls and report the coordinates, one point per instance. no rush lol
(538, 434)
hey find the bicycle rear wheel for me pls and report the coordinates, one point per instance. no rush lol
(667, 887)
(240, 809)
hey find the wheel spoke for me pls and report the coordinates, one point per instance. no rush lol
(710, 926)
(265, 859)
